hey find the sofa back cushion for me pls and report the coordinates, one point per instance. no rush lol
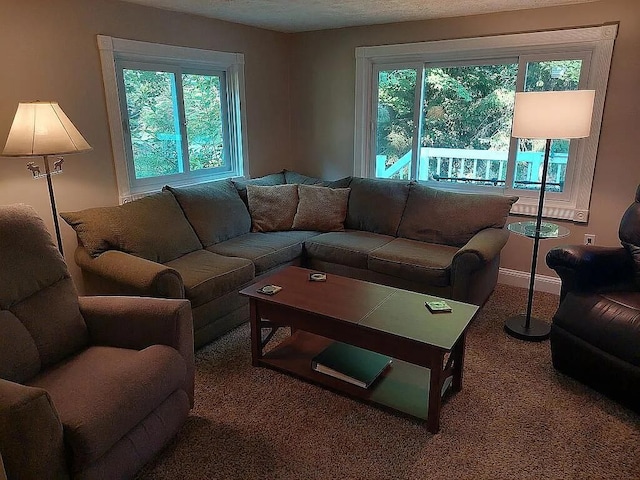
(299, 178)
(215, 210)
(376, 205)
(340, 183)
(451, 218)
(272, 208)
(38, 300)
(266, 181)
(152, 227)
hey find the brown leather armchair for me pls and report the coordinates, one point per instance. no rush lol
(595, 334)
(90, 387)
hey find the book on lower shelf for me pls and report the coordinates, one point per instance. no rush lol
(350, 363)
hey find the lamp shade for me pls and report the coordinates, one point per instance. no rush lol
(42, 128)
(548, 115)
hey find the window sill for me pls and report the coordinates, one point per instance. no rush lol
(552, 209)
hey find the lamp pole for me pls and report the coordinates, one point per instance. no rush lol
(525, 327)
(54, 211)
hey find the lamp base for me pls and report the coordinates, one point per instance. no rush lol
(537, 331)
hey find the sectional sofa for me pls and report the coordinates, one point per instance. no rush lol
(205, 242)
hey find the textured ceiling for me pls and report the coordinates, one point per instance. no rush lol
(306, 15)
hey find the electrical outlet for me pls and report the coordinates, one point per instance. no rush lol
(589, 239)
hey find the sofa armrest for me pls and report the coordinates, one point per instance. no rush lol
(133, 275)
(481, 249)
(31, 435)
(590, 268)
(474, 267)
(136, 323)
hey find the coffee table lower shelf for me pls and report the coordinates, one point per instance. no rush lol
(403, 387)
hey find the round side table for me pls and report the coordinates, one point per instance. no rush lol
(524, 326)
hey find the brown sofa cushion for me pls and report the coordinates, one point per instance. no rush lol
(19, 359)
(451, 218)
(52, 317)
(320, 208)
(104, 392)
(152, 227)
(37, 289)
(376, 205)
(26, 247)
(272, 208)
(214, 209)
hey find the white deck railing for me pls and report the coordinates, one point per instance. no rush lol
(488, 166)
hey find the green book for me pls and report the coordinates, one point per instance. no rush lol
(351, 364)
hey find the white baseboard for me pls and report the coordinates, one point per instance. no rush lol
(542, 283)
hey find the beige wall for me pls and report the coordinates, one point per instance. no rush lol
(48, 51)
(299, 92)
(323, 79)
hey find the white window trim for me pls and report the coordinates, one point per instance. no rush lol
(599, 40)
(232, 63)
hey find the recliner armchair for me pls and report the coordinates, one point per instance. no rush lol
(595, 334)
(90, 387)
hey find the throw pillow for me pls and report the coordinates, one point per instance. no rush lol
(272, 208)
(321, 209)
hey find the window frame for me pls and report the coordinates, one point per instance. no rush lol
(596, 43)
(116, 54)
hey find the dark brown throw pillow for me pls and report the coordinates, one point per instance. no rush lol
(272, 208)
(321, 209)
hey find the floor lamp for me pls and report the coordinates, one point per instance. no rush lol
(42, 129)
(547, 116)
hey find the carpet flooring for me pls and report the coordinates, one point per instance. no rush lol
(516, 418)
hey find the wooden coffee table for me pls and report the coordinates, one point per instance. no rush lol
(427, 348)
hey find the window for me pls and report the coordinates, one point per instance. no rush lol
(174, 114)
(440, 113)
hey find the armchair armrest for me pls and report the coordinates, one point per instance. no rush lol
(133, 275)
(590, 268)
(31, 436)
(136, 323)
